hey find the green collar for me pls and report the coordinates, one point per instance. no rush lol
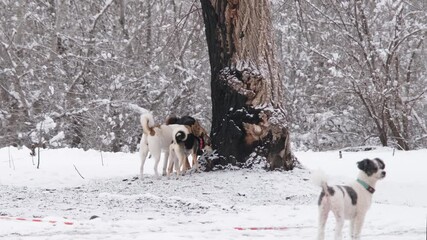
(366, 186)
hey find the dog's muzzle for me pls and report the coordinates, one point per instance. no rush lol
(383, 174)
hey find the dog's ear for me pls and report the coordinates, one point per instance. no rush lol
(363, 165)
(380, 162)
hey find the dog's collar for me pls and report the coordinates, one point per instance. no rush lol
(201, 142)
(366, 186)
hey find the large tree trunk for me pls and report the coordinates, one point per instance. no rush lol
(247, 112)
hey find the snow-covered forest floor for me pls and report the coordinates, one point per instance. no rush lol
(109, 203)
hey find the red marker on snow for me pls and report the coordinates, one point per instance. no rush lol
(268, 228)
(38, 220)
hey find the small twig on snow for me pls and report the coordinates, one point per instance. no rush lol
(78, 171)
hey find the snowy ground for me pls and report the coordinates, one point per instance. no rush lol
(281, 205)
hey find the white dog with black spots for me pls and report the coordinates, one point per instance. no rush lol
(349, 202)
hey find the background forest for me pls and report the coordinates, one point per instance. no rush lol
(79, 73)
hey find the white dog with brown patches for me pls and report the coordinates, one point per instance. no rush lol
(349, 202)
(157, 139)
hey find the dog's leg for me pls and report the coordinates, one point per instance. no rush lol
(165, 163)
(143, 151)
(171, 160)
(339, 217)
(186, 165)
(182, 158)
(156, 154)
(195, 166)
(352, 228)
(357, 226)
(177, 167)
(174, 150)
(323, 217)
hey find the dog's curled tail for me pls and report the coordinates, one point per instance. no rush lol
(147, 123)
(180, 134)
(319, 178)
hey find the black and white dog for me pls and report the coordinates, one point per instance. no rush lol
(349, 202)
(195, 144)
(157, 139)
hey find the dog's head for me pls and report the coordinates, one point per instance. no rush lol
(202, 135)
(373, 168)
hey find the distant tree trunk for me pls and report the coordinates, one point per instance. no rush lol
(248, 120)
(122, 21)
(149, 45)
(57, 11)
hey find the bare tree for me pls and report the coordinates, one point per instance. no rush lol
(248, 119)
(366, 57)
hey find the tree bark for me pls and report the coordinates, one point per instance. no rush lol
(248, 120)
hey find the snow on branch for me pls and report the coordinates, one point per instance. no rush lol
(130, 106)
(97, 16)
(135, 108)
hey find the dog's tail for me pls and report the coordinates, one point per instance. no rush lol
(181, 134)
(147, 123)
(320, 179)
